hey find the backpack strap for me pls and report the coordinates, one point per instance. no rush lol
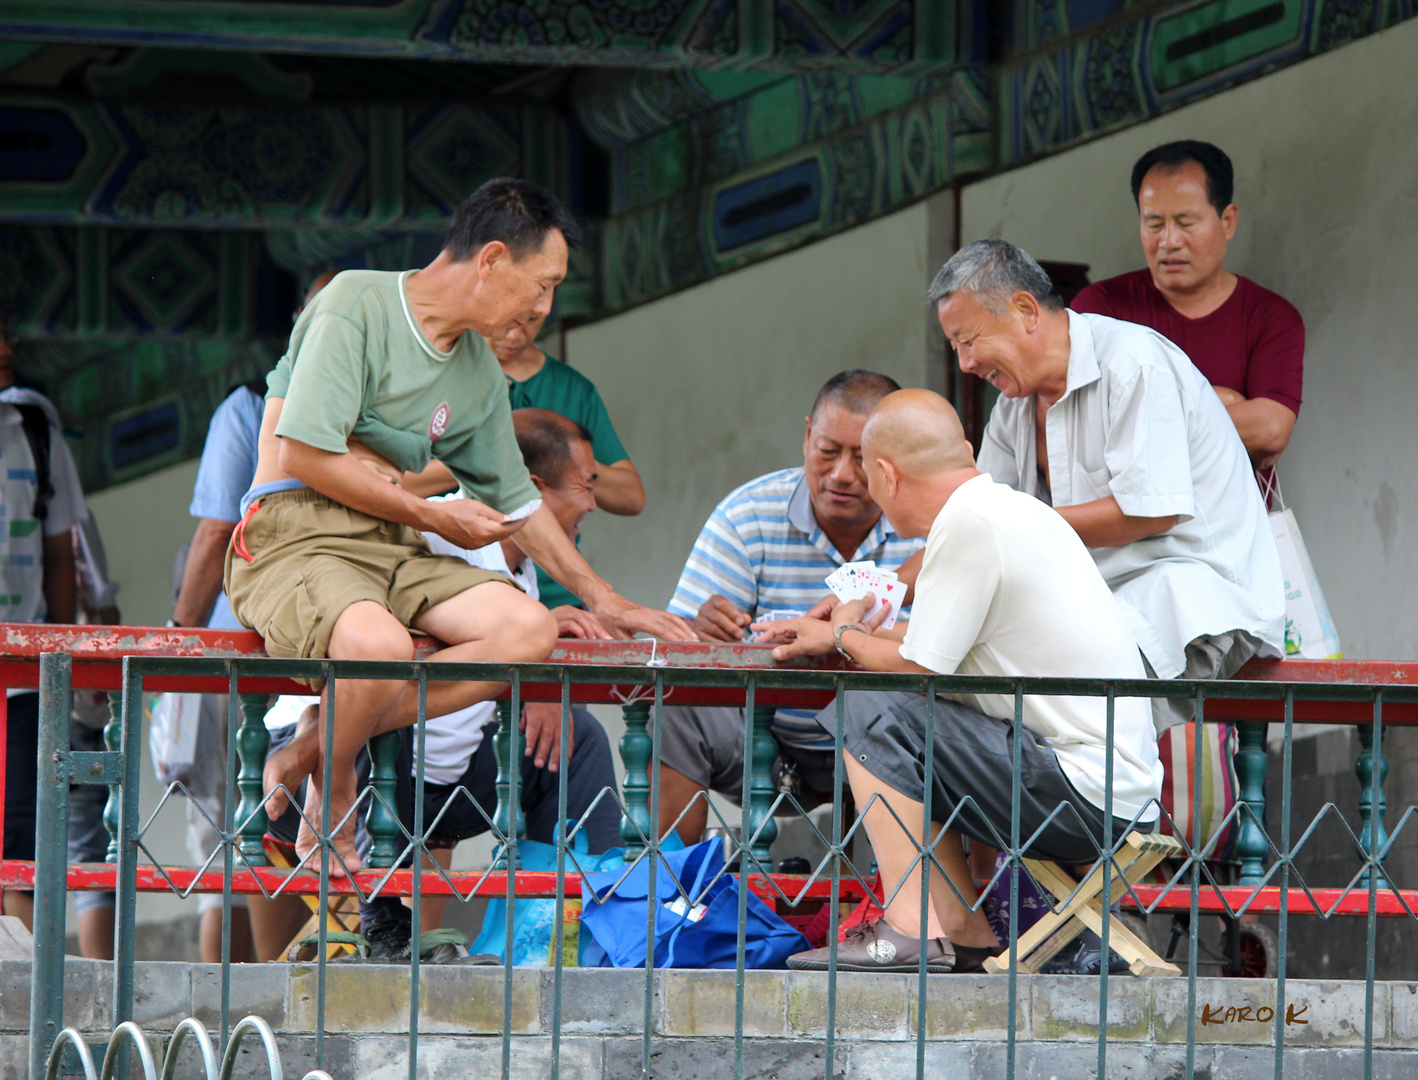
(36, 425)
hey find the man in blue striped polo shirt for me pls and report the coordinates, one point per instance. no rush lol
(765, 551)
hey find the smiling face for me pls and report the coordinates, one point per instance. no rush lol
(575, 496)
(514, 292)
(994, 347)
(832, 464)
(1183, 237)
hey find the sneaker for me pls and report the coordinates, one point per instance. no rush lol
(875, 946)
(389, 932)
(1084, 956)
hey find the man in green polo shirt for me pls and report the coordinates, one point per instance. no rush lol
(384, 370)
(538, 381)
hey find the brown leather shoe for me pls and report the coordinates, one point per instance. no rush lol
(875, 946)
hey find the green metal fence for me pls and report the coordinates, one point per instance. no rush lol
(1268, 863)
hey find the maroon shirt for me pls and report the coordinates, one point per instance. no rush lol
(1254, 343)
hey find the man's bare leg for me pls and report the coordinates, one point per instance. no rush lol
(895, 846)
(493, 622)
(431, 908)
(292, 763)
(209, 936)
(364, 631)
(676, 792)
(489, 623)
(274, 922)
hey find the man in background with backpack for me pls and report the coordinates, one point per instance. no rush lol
(42, 502)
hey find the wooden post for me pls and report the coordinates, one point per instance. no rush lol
(252, 743)
(383, 823)
(635, 753)
(1364, 769)
(758, 800)
(1251, 843)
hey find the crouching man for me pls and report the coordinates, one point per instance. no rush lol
(1006, 589)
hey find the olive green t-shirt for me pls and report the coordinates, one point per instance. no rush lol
(358, 362)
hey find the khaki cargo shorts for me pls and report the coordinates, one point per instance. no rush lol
(311, 557)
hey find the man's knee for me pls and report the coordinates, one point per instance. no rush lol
(366, 631)
(529, 631)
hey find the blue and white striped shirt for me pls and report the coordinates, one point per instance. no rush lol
(763, 549)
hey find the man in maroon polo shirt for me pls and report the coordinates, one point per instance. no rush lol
(1248, 341)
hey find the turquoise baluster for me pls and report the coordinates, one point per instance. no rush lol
(382, 824)
(636, 748)
(1369, 808)
(1251, 844)
(507, 745)
(113, 740)
(252, 743)
(758, 818)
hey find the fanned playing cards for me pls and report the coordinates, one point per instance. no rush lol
(852, 581)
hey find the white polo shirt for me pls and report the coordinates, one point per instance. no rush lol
(1139, 422)
(1007, 588)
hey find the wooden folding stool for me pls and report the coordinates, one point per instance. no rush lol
(1037, 945)
(341, 913)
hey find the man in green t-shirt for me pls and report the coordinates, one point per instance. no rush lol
(384, 370)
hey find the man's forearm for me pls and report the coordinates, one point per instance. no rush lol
(61, 590)
(1264, 425)
(1102, 523)
(879, 653)
(619, 489)
(547, 545)
(202, 577)
(345, 479)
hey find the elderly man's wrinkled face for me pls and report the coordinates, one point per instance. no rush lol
(832, 462)
(994, 347)
(517, 291)
(517, 337)
(1183, 237)
(575, 497)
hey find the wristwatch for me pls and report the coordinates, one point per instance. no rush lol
(837, 638)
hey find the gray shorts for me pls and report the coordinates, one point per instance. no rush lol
(974, 760)
(704, 743)
(1211, 656)
(88, 836)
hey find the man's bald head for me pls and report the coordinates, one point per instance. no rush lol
(919, 432)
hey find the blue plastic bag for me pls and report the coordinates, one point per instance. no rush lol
(698, 932)
(534, 920)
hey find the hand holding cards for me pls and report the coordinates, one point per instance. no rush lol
(854, 580)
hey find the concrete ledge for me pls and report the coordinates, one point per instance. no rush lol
(877, 1017)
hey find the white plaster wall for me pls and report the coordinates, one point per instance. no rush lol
(1326, 156)
(708, 388)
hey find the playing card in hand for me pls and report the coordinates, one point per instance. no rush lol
(852, 581)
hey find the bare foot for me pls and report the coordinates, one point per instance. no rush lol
(344, 857)
(292, 763)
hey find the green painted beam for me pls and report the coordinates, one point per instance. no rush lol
(782, 35)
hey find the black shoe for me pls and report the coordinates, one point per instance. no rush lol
(1084, 956)
(389, 932)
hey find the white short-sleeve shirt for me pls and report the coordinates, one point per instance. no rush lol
(1139, 422)
(1007, 588)
(21, 534)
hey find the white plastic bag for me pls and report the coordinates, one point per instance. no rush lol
(172, 735)
(1309, 628)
